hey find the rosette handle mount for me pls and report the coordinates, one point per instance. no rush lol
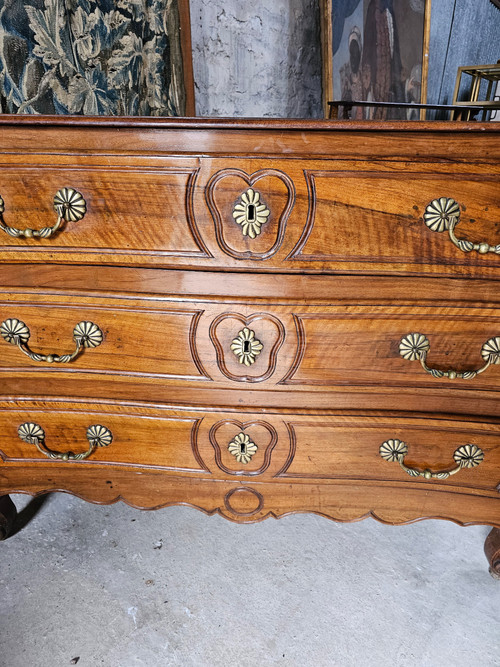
(33, 434)
(415, 347)
(69, 205)
(466, 456)
(85, 334)
(443, 214)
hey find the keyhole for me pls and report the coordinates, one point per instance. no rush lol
(243, 448)
(251, 213)
(246, 346)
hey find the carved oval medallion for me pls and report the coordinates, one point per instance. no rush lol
(239, 349)
(250, 211)
(244, 501)
(243, 448)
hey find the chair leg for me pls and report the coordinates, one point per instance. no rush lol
(8, 515)
(492, 551)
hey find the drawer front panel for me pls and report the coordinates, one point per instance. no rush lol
(349, 448)
(163, 441)
(372, 218)
(357, 346)
(252, 446)
(136, 342)
(291, 215)
(243, 346)
(134, 214)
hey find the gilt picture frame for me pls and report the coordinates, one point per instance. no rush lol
(376, 50)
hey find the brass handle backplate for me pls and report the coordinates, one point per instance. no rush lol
(443, 214)
(69, 205)
(466, 456)
(415, 347)
(85, 334)
(33, 434)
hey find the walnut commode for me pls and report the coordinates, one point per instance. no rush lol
(232, 309)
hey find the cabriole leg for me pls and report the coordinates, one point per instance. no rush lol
(492, 551)
(8, 515)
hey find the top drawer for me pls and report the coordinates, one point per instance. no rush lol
(288, 213)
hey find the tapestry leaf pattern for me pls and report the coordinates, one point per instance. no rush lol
(91, 57)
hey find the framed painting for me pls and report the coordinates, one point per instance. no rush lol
(376, 50)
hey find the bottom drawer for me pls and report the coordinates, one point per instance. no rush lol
(248, 465)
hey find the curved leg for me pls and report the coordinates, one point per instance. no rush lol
(8, 515)
(492, 551)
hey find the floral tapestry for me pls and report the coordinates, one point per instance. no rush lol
(91, 57)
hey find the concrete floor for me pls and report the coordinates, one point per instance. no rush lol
(114, 586)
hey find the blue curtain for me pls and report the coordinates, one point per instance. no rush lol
(91, 57)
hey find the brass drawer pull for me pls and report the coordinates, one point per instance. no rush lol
(33, 434)
(415, 346)
(85, 334)
(444, 214)
(69, 205)
(466, 456)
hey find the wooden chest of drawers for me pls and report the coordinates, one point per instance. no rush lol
(253, 318)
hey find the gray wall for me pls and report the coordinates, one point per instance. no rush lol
(263, 57)
(463, 32)
(256, 57)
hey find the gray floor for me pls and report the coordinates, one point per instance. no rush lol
(118, 587)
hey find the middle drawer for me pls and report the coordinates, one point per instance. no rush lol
(240, 345)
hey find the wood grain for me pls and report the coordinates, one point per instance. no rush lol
(349, 213)
(185, 342)
(342, 270)
(194, 443)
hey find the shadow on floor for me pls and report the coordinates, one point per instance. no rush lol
(28, 513)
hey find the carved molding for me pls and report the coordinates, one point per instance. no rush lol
(299, 355)
(267, 448)
(112, 247)
(232, 495)
(246, 321)
(191, 220)
(250, 180)
(192, 345)
(291, 454)
(296, 252)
